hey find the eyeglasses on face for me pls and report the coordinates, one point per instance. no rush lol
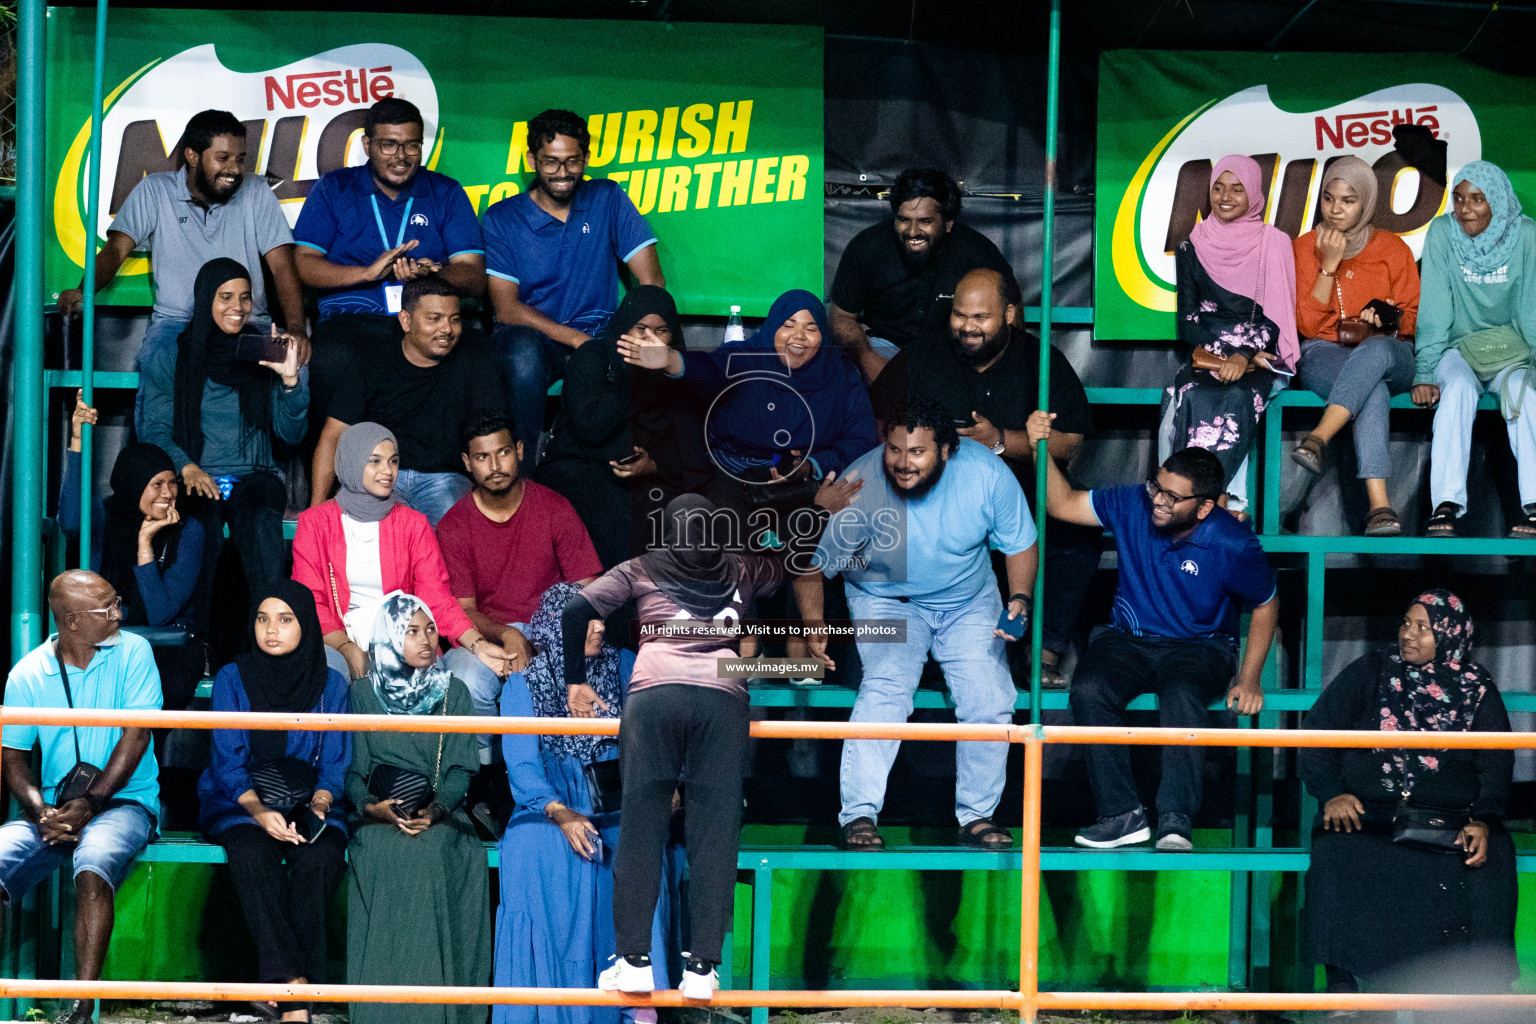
(571, 164)
(113, 607)
(389, 147)
(1173, 499)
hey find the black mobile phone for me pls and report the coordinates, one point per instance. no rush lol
(260, 348)
(964, 423)
(629, 459)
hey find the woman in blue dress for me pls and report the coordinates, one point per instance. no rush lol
(554, 925)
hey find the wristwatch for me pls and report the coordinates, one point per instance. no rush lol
(1002, 442)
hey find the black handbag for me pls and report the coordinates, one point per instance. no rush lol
(413, 790)
(1429, 828)
(77, 782)
(605, 785)
(283, 783)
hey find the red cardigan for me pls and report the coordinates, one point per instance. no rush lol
(410, 561)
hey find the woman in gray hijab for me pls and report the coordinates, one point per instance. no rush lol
(363, 544)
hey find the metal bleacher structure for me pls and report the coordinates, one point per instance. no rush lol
(1251, 857)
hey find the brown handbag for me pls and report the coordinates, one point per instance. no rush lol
(1204, 359)
(1352, 330)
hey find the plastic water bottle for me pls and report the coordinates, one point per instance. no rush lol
(733, 329)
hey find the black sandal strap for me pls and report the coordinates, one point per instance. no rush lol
(861, 828)
(970, 835)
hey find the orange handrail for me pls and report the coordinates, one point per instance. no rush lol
(1028, 1000)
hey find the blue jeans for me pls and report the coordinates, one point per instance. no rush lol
(431, 494)
(1451, 448)
(530, 362)
(161, 331)
(484, 689)
(1361, 379)
(976, 672)
(108, 844)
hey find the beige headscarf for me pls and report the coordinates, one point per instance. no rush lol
(1358, 174)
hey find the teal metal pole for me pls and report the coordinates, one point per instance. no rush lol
(27, 366)
(1052, 95)
(88, 336)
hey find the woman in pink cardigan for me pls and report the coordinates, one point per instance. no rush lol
(363, 544)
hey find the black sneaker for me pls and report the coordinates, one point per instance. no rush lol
(1173, 832)
(78, 1012)
(1119, 830)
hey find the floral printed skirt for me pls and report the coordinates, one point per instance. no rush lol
(1221, 418)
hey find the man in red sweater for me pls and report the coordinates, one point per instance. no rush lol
(505, 543)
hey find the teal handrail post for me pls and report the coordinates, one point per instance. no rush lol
(88, 315)
(1052, 96)
(27, 366)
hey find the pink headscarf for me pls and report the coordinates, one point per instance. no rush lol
(1232, 254)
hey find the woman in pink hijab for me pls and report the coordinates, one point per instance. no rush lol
(1236, 300)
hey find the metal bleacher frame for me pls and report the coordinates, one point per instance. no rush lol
(1250, 859)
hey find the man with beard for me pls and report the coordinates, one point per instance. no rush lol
(366, 231)
(915, 547)
(1188, 569)
(505, 543)
(552, 255)
(985, 370)
(204, 209)
(423, 388)
(896, 278)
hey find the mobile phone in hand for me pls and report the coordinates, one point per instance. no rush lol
(1013, 627)
(260, 348)
(629, 460)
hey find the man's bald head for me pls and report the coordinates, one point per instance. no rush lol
(985, 304)
(74, 590)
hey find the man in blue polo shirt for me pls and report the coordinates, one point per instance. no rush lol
(365, 231)
(552, 255)
(1187, 571)
(103, 822)
(916, 545)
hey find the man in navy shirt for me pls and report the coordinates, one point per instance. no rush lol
(552, 255)
(1187, 570)
(365, 231)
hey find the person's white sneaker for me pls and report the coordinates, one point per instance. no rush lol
(700, 979)
(624, 975)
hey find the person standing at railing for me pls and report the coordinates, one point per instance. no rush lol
(204, 209)
(1477, 329)
(1410, 859)
(1236, 310)
(97, 798)
(1357, 306)
(1188, 568)
(419, 891)
(272, 798)
(152, 556)
(215, 403)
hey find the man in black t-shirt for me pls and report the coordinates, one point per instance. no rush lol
(896, 278)
(423, 390)
(985, 370)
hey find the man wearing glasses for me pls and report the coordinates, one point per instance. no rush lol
(99, 794)
(552, 254)
(365, 231)
(1187, 571)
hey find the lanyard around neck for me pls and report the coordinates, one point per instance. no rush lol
(405, 219)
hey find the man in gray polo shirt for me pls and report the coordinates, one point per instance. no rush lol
(204, 209)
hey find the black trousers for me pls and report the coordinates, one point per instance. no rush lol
(1186, 675)
(335, 341)
(284, 891)
(670, 732)
(254, 514)
(1071, 558)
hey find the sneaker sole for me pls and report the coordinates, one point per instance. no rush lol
(1141, 835)
(1174, 843)
(631, 983)
(702, 990)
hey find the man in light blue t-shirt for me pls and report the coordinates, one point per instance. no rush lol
(915, 547)
(87, 664)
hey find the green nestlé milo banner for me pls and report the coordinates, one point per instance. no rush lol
(715, 130)
(1166, 117)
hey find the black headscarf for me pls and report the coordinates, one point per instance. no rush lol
(205, 352)
(650, 402)
(691, 567)
(136, 466)
(291, 682)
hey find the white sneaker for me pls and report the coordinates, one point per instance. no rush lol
(623, 976)
(700, 980)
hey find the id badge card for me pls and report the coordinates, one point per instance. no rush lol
(392, 296)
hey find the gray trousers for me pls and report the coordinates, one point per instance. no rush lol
(1363, 380)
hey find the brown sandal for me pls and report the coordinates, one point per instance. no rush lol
(1308, 453)
(1383, 522)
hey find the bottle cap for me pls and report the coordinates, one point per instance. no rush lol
(735, 309)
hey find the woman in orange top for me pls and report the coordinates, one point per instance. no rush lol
(1343, 265)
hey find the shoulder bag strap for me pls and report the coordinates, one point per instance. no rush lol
(68, 698)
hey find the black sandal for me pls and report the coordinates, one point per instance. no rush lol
(1308, 453)
(861, 836)
(976, 838)
(1525, 529)
(1383, 522)
(1050, 675)
(1443, 522)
